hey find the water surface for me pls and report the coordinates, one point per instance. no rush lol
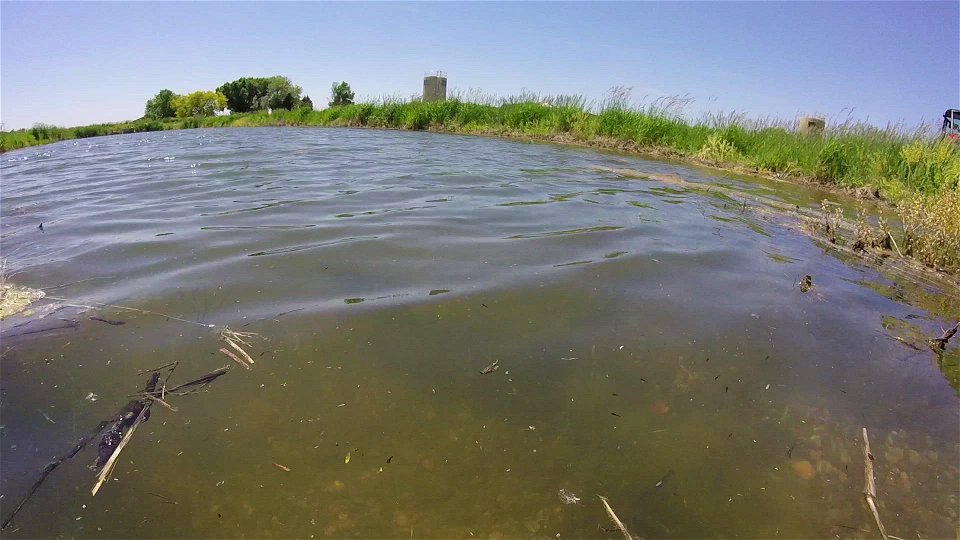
(653, 344)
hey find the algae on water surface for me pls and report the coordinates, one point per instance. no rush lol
(15, 298)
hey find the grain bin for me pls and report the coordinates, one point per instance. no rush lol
(811, 125)
(435, 87)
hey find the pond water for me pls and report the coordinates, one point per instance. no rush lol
(652, 340)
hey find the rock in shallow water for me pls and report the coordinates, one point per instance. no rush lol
(804, 469)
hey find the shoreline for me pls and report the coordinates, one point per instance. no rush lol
(565, 139)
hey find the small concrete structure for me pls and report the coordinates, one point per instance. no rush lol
(435, 87)
(811, 125)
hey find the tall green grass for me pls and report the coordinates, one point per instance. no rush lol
(46, 134)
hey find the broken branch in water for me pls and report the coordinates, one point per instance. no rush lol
(202, 382)
(870, 487)
(174, 363)
(108, 321)
(613, 517)
(53, 465)
(108, 467)
(122, 422)
(129, 418)
(235, 340)
(235, 358)
(941, 342)
(162, 402)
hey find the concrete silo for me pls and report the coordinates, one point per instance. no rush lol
(811, 125)
(435, 87)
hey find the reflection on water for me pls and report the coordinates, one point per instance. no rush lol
(653, 346)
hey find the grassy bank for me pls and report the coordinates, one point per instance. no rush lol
(45, 134)
(888, 163)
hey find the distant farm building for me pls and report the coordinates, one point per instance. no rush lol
(811, 125)
(435, 87)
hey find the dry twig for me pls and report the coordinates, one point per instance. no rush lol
(162, 402)
(235, 340)
(870, 487)
(235, 358)
(613, 517)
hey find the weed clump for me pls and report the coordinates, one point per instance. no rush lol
(718, 149)
(830, 223)
(867, 237)
(931, 229)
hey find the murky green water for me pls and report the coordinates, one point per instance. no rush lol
(654, 346)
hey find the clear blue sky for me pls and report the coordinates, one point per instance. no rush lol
(79, 63)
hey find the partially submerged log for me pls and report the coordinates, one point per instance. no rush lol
(123, 422)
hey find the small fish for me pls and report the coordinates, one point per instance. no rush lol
(281, 467)
(491, 368)
(567, 497)
(347, 459)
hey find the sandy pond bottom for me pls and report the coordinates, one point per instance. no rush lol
(653, 344)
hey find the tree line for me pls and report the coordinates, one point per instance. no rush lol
(246, 94)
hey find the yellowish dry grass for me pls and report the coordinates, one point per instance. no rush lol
(931, 229)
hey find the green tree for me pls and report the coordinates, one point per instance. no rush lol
(244, 94)
(200, 103)
(341, 94)
(257, 93)
(281, 94)
(161, 106)
(306, 103)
